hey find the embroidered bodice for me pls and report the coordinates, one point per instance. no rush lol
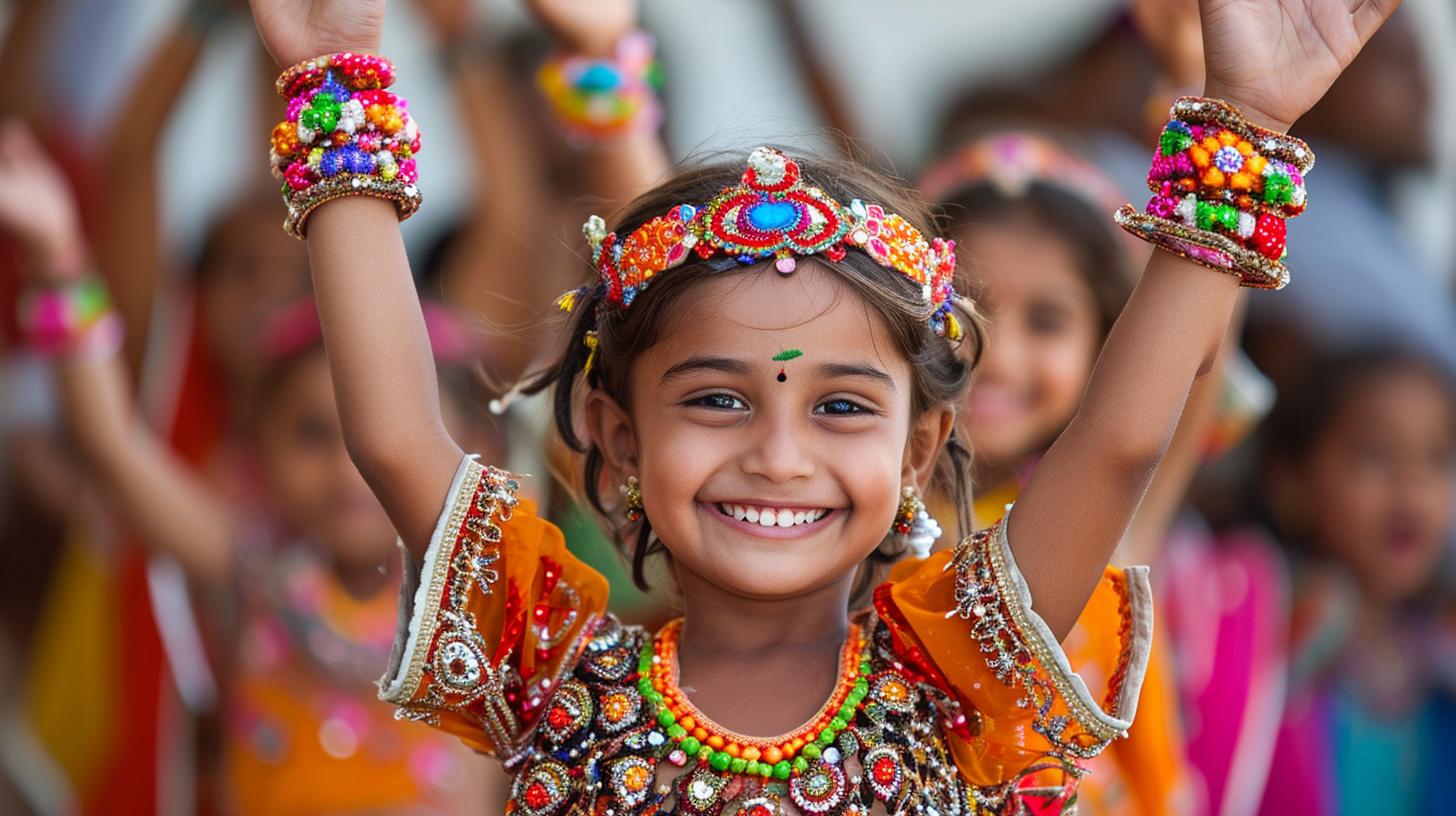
(970, 704)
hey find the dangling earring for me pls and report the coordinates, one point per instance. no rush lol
(913, 525)
(632, 493)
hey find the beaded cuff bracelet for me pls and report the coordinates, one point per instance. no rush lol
(1222, 191)
(70, 319)
(600, 99)
(344, 135)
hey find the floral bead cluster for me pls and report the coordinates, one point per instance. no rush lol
(599, 99)
(1223, 191)
(344, 134)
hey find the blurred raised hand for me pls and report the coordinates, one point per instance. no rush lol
(295, 30)
(38, 208)
(1276, 58)
(590, 27)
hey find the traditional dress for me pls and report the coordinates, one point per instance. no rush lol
(970, 704)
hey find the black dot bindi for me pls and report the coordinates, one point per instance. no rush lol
(782, 376)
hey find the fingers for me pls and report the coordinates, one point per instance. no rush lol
(1368, 15)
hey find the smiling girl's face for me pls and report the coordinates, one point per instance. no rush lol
(1044, 336)
(765, 488)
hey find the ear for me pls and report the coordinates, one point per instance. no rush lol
(928, 434)
(610, 429)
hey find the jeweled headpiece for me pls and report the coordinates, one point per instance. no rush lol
(772, 214)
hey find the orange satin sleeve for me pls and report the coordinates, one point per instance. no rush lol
(1030, 719)
(491, 619)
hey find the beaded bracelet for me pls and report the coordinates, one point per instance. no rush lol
(1222, 191)
(70, 319)
(344, 135)
(601, 99)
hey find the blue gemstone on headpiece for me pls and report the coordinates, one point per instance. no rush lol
(773, 216)
(747, 259)
(629, 294)
(686, 212)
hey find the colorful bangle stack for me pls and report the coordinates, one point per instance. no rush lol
(344, 135)
(1222, 192)
(70, 319)
(601, 99)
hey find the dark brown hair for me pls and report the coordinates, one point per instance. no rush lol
(941, 369)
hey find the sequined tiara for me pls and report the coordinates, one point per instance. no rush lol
(772, 214)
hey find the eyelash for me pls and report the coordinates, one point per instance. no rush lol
(716, 402)
(855, 407)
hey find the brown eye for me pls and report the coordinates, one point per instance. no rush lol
(840, 407)
(719, 402)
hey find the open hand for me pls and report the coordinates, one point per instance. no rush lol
(1275, 58)
(37, 206)
(296, 30)
(588, 27)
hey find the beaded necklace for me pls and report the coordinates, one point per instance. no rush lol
(697, 736)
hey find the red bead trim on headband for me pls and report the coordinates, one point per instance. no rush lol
(772, 214)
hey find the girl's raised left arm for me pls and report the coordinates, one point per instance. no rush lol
(1272, 59)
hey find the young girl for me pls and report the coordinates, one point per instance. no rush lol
(768, 368)
(1358, 480)
(287, 554)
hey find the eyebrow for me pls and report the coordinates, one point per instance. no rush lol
(692, 365)
(861, 370)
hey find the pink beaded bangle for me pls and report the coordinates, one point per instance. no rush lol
(70, 319)
(600, 99)
(344, 134)
(1222, 191)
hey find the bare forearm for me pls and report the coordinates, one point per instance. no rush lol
(129, 237)
(167, 505)
(1165, 495)
(1077, 505)
(483, 277)
(622, 169)
(380, 359)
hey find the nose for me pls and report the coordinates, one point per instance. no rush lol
(779, 449)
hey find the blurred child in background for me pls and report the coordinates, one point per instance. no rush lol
(292, 553)
(1358, 481)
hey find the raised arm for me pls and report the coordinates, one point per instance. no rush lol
(156, 494)
(129, 238)
(509, 226)
(620, 168)
(374, 331)
(1273, 59)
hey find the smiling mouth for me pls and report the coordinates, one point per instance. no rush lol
(772, 517)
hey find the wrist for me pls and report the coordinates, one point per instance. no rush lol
(1252, 112)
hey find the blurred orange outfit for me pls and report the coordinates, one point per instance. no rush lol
(505, 643)
(303, 734)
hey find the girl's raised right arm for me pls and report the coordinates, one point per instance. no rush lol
(374, 331)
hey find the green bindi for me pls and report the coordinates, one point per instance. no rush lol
(783, 357)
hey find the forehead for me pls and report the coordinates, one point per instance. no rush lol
(756, 310)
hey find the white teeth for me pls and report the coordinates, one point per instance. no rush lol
(771, 517)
